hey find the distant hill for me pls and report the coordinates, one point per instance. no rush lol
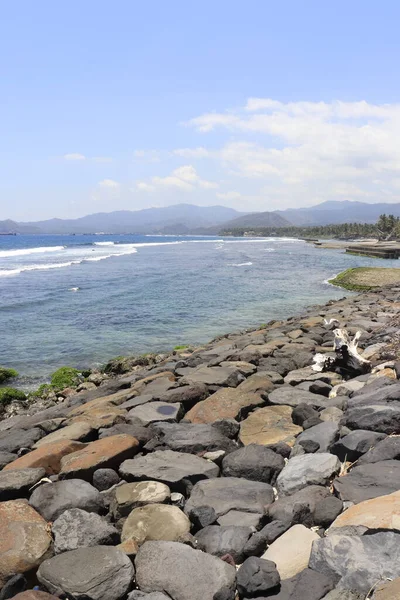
(262, 219)
(9, 226)
(335, 212)
(179, 218)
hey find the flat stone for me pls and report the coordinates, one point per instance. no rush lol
(355, 444)
(291, 552)
(230, 493)
(223, 376)
(291, 396)
(307, 469)
(299, 507)
(307, 585)
(229, 539)
(151, 412)
(48, 457)
(239, 518)
(81, 432)
(259, 383)
(187, 395)
(382, 512)
(384, 418)
(245, 368)
(12, 441)
(107, 453)
(387, 449)
(308, 374)
(345, 388)
(16, 484)
(194, 438)
(358, 562)
(176, 469)
(156, 522)
(269, 425)
(25, 540)
(52, 499)
(103, 416)
(142, 434)
(368, 481)
(132, 495)
(324, 434)
(76, 528)
(98, 573)
(224, 404)
(254, 462)
(182, 572)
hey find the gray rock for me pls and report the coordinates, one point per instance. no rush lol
(307, 585)
(98, 573)
(344, 595)
(223, 540)
(221, 376)
(324, 434)
(189, 437)
(52, 499)
(228, 427)
(299, 507)
(187, 395)
(76, 528)
(15, 585)
(128, 496)
(230, 493)
(202, 516)
(103, 479)
(291, 396)
(176, 469)
(142, 434)
(309, 469)
(152, 412)
(254, 462)
(355, 444)
(17, 483)
(241, 518)
(183, 573)
(369, 481)
(5, 458)
(138, 595)
(302, 412)
(256, 576)
(14, 440)
(357, 562)
(327, 510)
(259, 541)
(387, 449)
(384, 418)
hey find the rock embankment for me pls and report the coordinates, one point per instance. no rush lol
(231, 471)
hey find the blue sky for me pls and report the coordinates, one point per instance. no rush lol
(257, 105)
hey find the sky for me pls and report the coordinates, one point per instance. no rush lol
(256, 104)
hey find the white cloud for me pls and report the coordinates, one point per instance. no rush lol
(228, 195)
(109, 183)
(74, 156)
(184, 178)
(199, 152)
(149, 156)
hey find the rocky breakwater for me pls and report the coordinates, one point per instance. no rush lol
(231, 471)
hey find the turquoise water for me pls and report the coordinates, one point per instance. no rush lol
(139, 294)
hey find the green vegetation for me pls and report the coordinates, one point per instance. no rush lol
(8, 394)
(64, 377)
(7, 374)
(42, 391)
(366, 278)
(183, 347)
(387, 227)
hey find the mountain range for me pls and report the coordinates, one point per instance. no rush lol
(190, 219)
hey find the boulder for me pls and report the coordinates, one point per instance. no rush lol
(269, 425)
(382, 512)
(229, 539)
(355, 444)
(303, 412)
(13, 441)
(101, 416)
(230, 493)
(224, 404)
(253, 462)
(327, 510)
(384, 418)
(259, 383)
(357, 562)
(177, 470)
(48, 457)
(256, 576)
(190, 437)
(97, 573)
(307, 585)
(332, 413)
(259, 541)
(308, 469)
(16, 484)
(368, 481)
(5, 458)
(52, 499)
(24, 541)
(80, 431)
(106, 453)
(186, 395)
(221, 376)
(240, 518)
(299, 507)
(142, 434)
(128, 496)
(291, 396)
(103, 479)
(291, 551)
(156, 522)
(152, 412)
(324, 434)
(182, 572)
(387, 449)
(77, 528)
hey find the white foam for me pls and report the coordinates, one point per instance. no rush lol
(271, 250)
(246, 264)
(103, 244)
(74, 289)
(6, 272)
(27, 251)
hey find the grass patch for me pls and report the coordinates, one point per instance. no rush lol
(8, 394)
(182, 347)
(7, 374)
(360, 279)
(65, 377)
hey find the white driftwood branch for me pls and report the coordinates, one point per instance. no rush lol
(347, 361)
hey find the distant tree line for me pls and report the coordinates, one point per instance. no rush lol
(386, 228)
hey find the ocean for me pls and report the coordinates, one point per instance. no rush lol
(79, 300)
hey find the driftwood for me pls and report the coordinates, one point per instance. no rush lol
(347, 361)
